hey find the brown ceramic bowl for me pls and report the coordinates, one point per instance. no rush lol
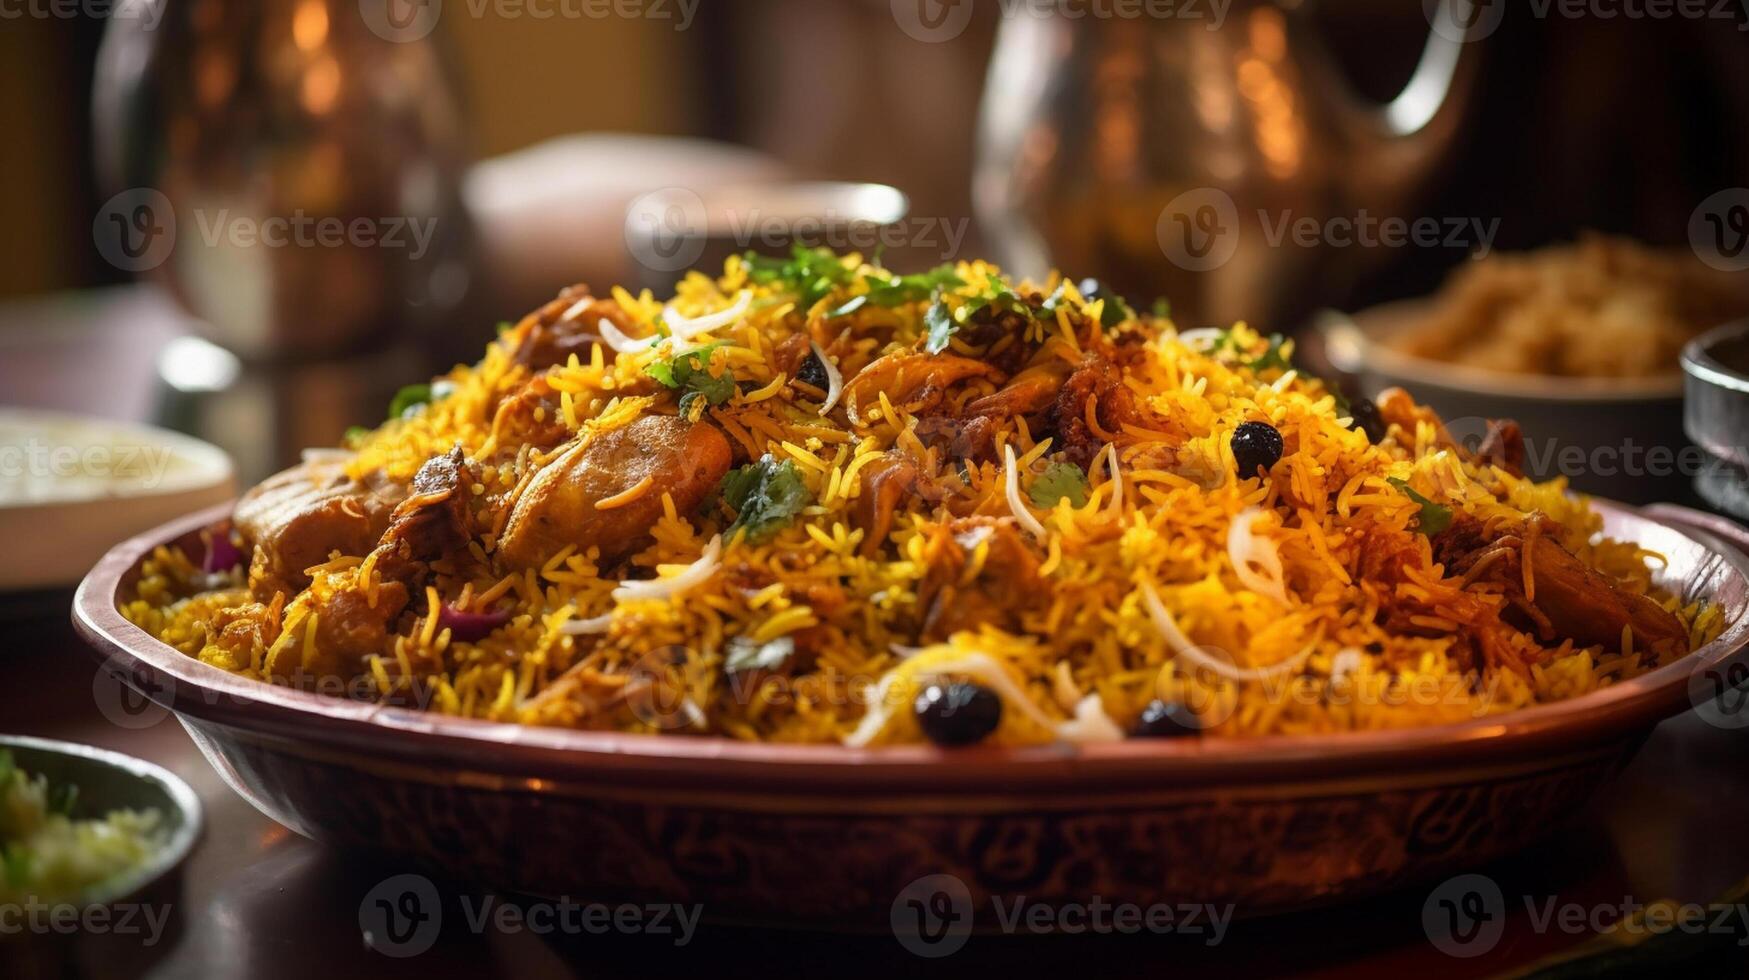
(828, 836)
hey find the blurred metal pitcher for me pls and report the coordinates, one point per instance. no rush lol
(1172, 157)
(300, 163)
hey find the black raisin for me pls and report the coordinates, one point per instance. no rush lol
(1365, 413)
(958, 714)
(1256, 446)
(1167, 719)
(812, 372)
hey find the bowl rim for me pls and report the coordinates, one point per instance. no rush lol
(1700, 364)
(175, 851)
(1363, 327)
(202, 694)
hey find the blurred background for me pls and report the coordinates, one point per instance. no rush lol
(498, 150)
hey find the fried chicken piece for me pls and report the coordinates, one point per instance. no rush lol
(1006, 586)
(1097, 381)
(887, 483)
(1027, 393)
(1502, 444)
(296, 519)
(912, 380)
(568, 325)
(1567, 599)
(682, 459)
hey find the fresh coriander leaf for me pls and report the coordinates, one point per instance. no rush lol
(1162, 308)
(504, 327)
(354, 433)
(765, 495)
(1433, 518)
(689, 373)
(1274, 357)
(745, 655)
(938, 320)
(809, 273)
(1060, 480)
(1115, 311)
(913, 288)
(409, 399)
(15, 862)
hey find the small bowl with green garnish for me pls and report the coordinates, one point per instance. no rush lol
(91, 848)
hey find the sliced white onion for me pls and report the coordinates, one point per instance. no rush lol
(1248, 553)
(1090, 724)
(1182, 647)
(984, 669)
(834, 380)
(1281, 383)
(1201, 339)
(588, 627)
(1116, 505)
(613, 337)
(686, 328)
(875, 718)
(1021, 514)
(697, 573)
(1346, 661)
(576, 309)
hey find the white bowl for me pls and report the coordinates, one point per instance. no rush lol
(71, 486)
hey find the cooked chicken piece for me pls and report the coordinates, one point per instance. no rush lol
(914, 381)
(296, 519)
(532, 416)
(1501, 445)
(1115, 404)
(684, 460)
(887, 484)
(433, 522)
(1483, 639)
(1027, 393)
(1566, 599)
(1006, 586)
(568, 325)
(355, 622)
(971, 439)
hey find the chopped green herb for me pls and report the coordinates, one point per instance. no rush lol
(939, 322)
(1274, 357)
(745, 655)
(504, 327)
(914, 288)
(1162, 308)
(1433, 518)
(1115, 310)
(354, 434)
(15, 861)
(1060, 480)
(408, 400)
(764, 495)
(689, 373)
(809, 273)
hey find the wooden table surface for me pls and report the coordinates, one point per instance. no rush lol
(261, 902)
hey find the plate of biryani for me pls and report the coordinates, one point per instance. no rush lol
(814, 578)
(1579, 342)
